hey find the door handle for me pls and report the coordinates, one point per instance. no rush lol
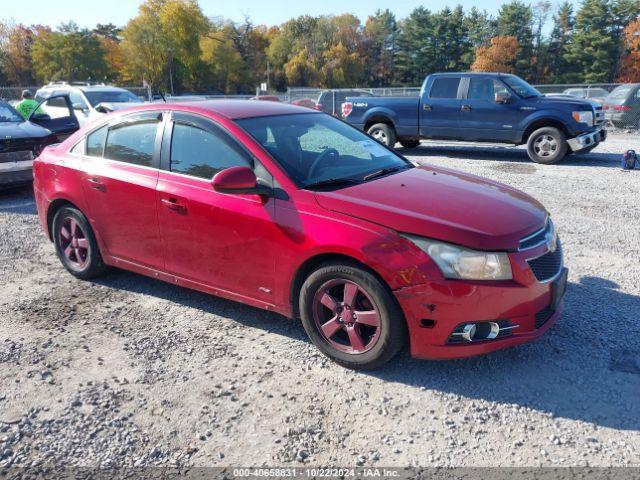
(172, 204)
(427, 107)
(96, 184)
(466, 108)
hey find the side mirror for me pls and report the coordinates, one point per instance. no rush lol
(502, 97)
(236, 180)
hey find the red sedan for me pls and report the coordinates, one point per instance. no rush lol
(294, 211)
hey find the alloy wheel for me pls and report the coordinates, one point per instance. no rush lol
(74, 243)
(545, 146)
(346, 316)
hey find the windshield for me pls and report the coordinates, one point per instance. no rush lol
(317, 148)
(8, 114)
(116, 96)
(522, 88)
(596, 93)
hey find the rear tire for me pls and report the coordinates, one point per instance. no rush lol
(384, 134)
(76, 244)
(547, 145)
(362, 329)
(410, 142)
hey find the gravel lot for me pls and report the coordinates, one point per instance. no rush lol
(128, 371)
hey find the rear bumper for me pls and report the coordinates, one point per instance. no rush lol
(587, 140)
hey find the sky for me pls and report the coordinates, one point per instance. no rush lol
(87, 13)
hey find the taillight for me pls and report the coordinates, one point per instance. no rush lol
(347, 108)
(318, 106)
(620, 108)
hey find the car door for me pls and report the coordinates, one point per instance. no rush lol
(214, 239)
(80, 107)
(440, 108)
(485, 119)
(56, 114)
(120, 173)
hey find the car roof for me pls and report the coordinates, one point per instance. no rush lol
(84, 88)
(231, 109)
(472, 74)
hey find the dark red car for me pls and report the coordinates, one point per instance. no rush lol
(294, 211)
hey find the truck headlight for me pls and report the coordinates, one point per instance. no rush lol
(583, 117)
(463, 263)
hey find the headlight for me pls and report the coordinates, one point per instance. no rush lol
(463, 263)
(583, 117)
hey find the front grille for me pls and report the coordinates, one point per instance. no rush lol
(543, 316)
(20, 156)
(537, 238)
(548, 265)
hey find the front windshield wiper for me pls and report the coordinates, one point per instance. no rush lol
(382, 172)
(331, 182)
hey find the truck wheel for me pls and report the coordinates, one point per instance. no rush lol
(409, 142)
(383, 133)
(547, 145)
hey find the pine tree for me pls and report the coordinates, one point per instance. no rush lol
(561, 37)
(515, 19)
(592, 54)
(381, 43)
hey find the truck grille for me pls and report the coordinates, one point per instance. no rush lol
(548, 265)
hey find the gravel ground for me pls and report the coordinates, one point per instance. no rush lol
(128, 371)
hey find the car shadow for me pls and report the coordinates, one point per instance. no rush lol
(572, 372)
(507, 153)
(18, 200)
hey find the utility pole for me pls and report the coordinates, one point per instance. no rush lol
(171, 71)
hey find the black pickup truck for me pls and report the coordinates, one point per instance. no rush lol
(482, 107)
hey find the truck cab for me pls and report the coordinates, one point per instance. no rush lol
(483, 107)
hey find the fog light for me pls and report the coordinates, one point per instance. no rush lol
(468, 332)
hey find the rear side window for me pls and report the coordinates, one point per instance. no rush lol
(445, 87)
(78, 148)
(203, 153)
(95, 142)
(132, 143)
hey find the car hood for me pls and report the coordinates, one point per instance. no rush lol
(564, 101)
(442, 204)
(22, 130)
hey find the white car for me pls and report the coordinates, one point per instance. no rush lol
(89, 101)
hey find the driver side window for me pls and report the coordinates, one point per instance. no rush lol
(203, 153)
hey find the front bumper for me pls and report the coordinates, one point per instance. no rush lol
(435, 309)
(587, 140)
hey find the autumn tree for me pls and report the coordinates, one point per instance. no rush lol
(69, 53)
(630, 63)
(16, 43)
(165, 34)
(500, 56)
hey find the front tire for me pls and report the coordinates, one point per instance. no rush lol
(383, 133)
(547, 145)
(351, 316)
(76, 244)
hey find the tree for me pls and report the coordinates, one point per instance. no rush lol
(165, 34)
(540, 47)
(500, 56)
(16, 42)
(68, 54)
(630, 64)
(381, 44)
(561, 37)
(515, 19)
(223, 63)
(480, 28)
(593, 52)
(301, 70)
(342, 68)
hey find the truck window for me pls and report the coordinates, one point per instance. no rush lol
(484, 89)
(445, 87)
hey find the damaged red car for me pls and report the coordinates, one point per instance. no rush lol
(294, 211)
